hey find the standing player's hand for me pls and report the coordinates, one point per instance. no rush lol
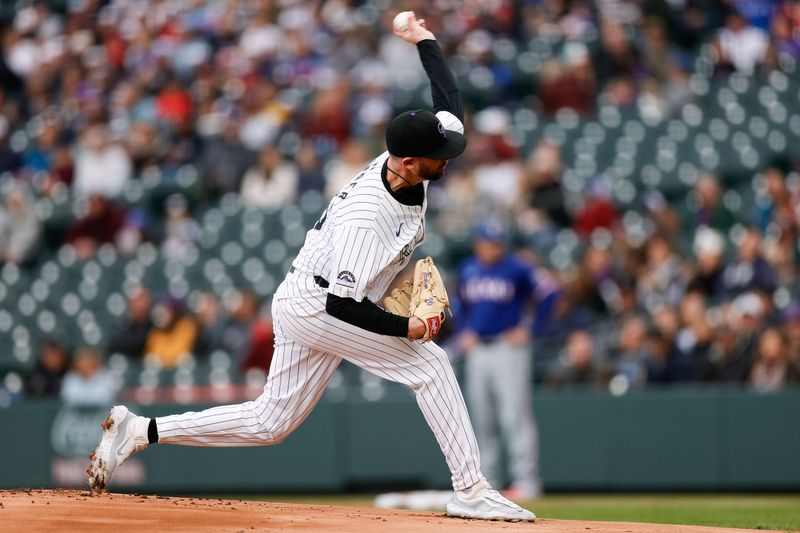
(468, 340)
(517, 336)
(416, 31)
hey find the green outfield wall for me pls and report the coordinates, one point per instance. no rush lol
(655, 440)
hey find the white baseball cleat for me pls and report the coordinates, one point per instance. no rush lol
(124, 434)
(483, 502)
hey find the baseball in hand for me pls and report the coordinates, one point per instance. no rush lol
(401, 21)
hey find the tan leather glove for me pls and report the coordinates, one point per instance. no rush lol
(429, 298)
(399, 301)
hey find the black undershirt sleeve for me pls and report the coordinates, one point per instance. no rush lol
(444, 89)
(152, 431)
(366, 315)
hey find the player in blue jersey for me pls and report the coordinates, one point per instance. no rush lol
(497, 291)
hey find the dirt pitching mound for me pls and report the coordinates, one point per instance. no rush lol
(66, 511)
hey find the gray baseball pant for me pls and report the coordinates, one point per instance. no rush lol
(498, 380)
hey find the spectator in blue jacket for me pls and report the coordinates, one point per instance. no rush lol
(750, 271)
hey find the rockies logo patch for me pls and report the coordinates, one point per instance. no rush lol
(346, 279)
(442, 131)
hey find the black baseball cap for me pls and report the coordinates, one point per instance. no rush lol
(419, 133)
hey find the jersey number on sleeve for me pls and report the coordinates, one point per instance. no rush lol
(321, 220)
(341, 196)
(324, 217)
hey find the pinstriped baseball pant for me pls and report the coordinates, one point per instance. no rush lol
(309, 344)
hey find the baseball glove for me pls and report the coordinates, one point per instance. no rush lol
(429, 298)
(399, 301)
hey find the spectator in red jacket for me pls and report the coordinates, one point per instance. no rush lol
(261, 346)
(102, 223)
(598, 210)
(569, 83)
(174, 105)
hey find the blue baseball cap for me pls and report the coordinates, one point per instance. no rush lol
(491, 229)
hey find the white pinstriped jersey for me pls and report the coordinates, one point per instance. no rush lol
(365, 237)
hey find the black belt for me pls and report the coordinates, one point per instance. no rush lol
(489, 339)
(319, 280)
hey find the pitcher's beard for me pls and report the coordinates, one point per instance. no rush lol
(434, 175)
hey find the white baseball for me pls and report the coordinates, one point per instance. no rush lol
(401, 21)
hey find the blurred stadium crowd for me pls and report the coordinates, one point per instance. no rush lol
(161, 160)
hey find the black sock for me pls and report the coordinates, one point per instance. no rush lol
(152, 431)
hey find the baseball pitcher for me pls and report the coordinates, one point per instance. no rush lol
(324, 311)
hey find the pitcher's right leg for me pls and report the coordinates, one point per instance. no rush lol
(298, 376)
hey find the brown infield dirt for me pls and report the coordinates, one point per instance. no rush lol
(66, 511)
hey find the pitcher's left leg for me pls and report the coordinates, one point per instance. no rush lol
(424, 368)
